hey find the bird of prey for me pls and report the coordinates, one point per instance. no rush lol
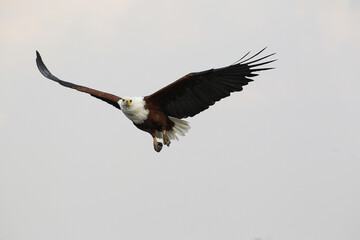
(161, 113)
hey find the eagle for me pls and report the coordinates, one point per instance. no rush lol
(162, 113)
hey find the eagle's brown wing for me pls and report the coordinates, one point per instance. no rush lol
(195, 92)
(107, 97)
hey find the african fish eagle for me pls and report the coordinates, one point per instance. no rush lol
(161, 113)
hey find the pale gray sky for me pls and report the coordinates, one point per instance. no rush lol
(278, 161)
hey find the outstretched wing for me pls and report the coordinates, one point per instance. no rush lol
(195, 92)
(107, 97)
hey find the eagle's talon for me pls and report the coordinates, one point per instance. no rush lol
(166, 141)
(158, 147)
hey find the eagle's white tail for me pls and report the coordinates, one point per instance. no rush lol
(181, 127)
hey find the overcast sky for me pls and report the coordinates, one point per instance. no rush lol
(277, 161)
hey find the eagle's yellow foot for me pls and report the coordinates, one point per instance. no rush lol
(157, 145)
(166, 139)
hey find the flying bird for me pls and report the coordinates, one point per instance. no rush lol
(161, 113)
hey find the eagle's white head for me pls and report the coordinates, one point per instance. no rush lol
(134, 109)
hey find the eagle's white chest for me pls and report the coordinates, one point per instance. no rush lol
(135, 111)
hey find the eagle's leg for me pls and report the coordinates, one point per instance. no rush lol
(166, 139)
(157, 145)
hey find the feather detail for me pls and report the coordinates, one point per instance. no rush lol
(195, 92)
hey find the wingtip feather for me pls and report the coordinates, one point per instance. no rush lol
(38, 55)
